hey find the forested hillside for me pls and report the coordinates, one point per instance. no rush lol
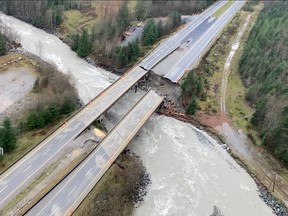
(264, 71)
(44, 14)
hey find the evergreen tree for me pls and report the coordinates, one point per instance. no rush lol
(52, 112)
(150, 33)
(131, 56)
(133, 51)
(123, 17)
(175, 19)
(136, 49)
(7, 136)
(264, 71)
(192, 107)
(3, 49)
(193, 85)
(75, 42)
(41, 120)
(68, 106)
(84, 46)
(160, 29)
(140, 10)
(31, 122)
(122, 55)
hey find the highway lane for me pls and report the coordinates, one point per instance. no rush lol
(21, 174)
(169, 45)
(68, 194)
(198, 49)
(163, 67)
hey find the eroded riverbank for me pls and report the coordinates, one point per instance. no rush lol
(190, 172)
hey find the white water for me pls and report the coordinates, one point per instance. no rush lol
(190, 173)
(88, 80)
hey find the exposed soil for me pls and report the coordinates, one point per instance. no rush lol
(213, 120)
(261, 165)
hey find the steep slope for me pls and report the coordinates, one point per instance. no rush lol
(264, 71)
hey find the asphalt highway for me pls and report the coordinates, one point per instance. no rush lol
(168, 46)
(69, 193)
(198, 49)
(21, 174)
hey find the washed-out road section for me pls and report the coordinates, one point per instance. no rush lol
(67, 195)
(169, 45)
(193, 56)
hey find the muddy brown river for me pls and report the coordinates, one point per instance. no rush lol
(191, 174)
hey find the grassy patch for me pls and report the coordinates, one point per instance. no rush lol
(25, 62)
(221, 10)
(212, 65)
(74, 21)
(117, 188)
(239, 110)
(25, 143)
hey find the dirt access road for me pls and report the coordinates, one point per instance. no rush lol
(258, 161)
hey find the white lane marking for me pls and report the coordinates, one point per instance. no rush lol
(102, 156)
(26, 168)
(200, 41)
(72, 190)
(122, 133)
(63, 136)
(111, 146)
(3, 188)
(46, 151)
(92, 157)
(81, 114)
(88, 172)
(77, 124)
(182, 33)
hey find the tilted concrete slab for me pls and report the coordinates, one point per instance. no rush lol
(22, 173)
(172, 43)
(68, 194)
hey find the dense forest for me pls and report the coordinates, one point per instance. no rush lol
(264, 71)
(156, 8)
(102, 38)
(46, 14)
(104, 34)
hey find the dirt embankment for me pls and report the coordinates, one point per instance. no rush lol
(271, 198)
(269, 175)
